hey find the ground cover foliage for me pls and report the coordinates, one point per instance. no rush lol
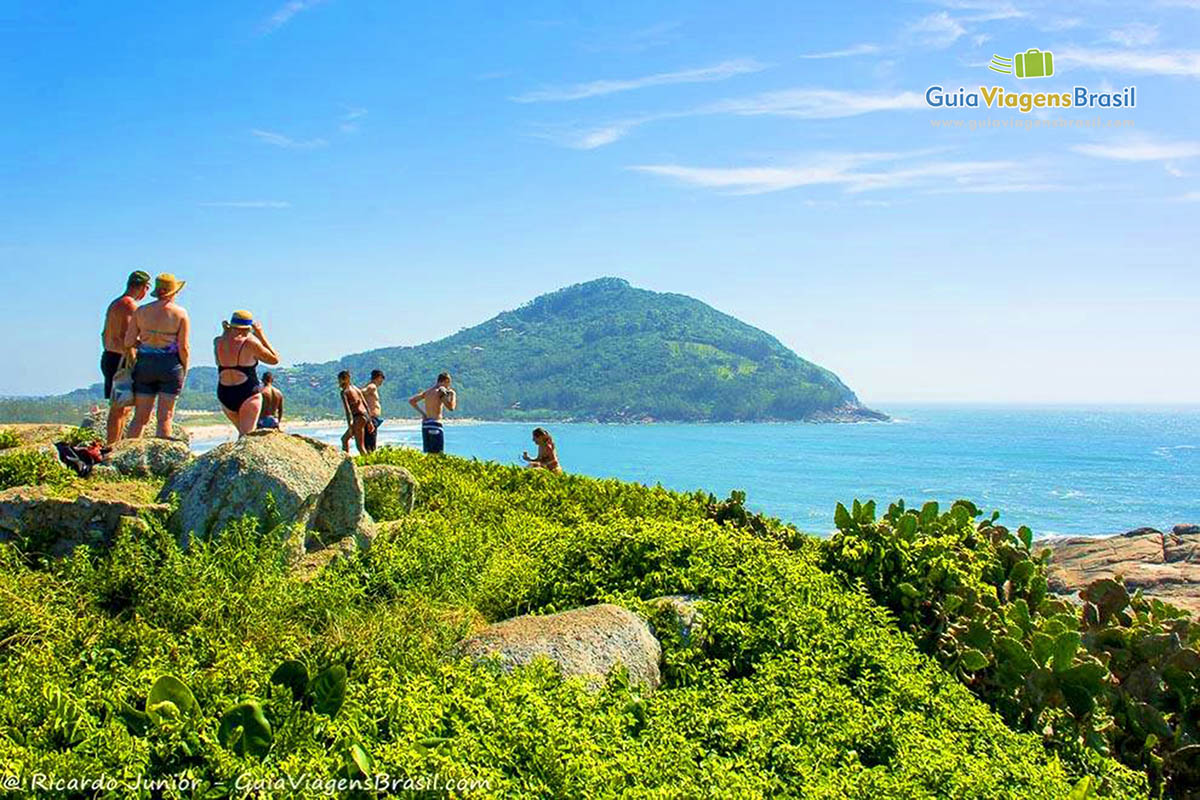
(217, 665)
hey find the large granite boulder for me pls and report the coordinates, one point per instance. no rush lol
(310, 483)
(1162, 565)
(587, 642)
(55, 524)
(390, 491)
(145, 458)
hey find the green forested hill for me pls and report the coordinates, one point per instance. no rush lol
(601, 350)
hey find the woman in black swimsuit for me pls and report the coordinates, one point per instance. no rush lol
(239, 350)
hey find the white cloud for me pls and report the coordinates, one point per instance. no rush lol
(249, 204)
(1135, 34)
(279, 140)
(853, 50)
(1140, 149)
(717, 72)
(938, 29)
(818, 103)
(794, 103)
(1174, 171)
(980, 39)
(1179, 62)
(832, 169)
(1190, 197)
(284, 13)
(350, 120)
(1061, 24)
(591, 138)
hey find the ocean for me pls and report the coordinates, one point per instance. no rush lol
(1058, 470)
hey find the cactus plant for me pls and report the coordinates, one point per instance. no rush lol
(170, 701)
(293, 675)
(327, 691)
(245, 730)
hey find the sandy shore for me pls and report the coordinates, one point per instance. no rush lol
(225, 432)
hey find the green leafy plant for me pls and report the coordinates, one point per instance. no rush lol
(800, 686)
(170, 701)
(245, 730)
(9, 439)
(1118, 676)
(81, 437)
(32, 468)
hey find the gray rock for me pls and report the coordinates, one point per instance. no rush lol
(144, 458)
(97, 420)
(388, 489)
(1186, 530)
(309, 482)
(58, 524)
(587, 642)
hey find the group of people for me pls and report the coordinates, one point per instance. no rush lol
(153, 341)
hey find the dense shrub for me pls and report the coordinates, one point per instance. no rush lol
(1118, 675)
(799, 687)
(81, 437)
(8, 439)
(31, 468)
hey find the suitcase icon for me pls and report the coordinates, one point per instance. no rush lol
(1034, 63)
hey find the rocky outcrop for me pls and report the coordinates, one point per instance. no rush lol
(1162, 565)
(390, 490)
(146, 458)
(56, 525)
(309, 483)
(585, 642)
(97, 420)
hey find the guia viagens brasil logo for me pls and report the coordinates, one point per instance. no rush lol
(1033, 63)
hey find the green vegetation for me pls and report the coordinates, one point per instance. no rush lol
(32, 467)
(147, 661)
(9, 439)
(82, 437)
(600, 350)
(1118, 676)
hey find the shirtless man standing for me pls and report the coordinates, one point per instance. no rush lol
(374, 408)
(357, 421)
(116, 321)
(437, 398)
(271, 414)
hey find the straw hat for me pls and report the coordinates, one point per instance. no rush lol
(242, 319)
(167, 285)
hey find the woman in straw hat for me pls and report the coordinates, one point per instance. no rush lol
(156, 342)
(238, 350)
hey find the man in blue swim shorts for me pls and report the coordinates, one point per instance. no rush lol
(437, 399)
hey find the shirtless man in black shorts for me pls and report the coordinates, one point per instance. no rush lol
(116, 321)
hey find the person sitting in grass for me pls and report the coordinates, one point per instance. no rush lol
(547, 457)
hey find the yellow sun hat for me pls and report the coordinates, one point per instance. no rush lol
(241, 319)
(166, 285)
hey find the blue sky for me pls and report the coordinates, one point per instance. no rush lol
(364, 174)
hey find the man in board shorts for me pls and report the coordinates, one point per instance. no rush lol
(437, 398)
(116, 322)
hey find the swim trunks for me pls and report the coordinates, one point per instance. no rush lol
(432, 435)
(370, 437)
(110, 362)
(268, 422)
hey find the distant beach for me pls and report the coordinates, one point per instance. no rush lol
(1091, 471)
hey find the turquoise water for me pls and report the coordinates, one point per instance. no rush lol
(1058, 470)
